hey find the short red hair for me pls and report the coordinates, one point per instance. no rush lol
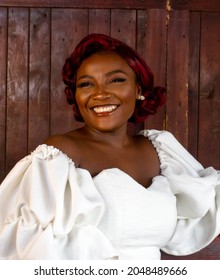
(94, 43)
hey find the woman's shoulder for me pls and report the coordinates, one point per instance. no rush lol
(66, 143)
(58, 141)
(170, 149)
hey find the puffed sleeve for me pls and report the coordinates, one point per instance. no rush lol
(197, 192)
(50, 210)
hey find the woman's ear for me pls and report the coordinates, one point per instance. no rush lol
(138, 90)
(139, 95)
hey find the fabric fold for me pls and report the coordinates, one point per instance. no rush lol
(197, 191)
(47, 215)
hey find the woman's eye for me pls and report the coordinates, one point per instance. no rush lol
(118, 80)
(84, 84)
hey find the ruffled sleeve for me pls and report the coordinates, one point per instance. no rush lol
(197, 192)
(50, 210)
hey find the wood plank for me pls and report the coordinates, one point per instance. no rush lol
(68, 28)
(39, 79)
(195, 5)
(209, 125)
(141, 47)
(3, 92)
(211, 252)
(194, 65)
(99, 21)
(142, 30)
(124, 4)
(16, 142)
(123, 27)
(177, 75)
(153, 48)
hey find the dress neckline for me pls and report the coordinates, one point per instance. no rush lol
(142, 132)
(117, 170)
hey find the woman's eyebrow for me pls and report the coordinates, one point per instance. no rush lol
(115, 72)
(85, 77)
(107, 74)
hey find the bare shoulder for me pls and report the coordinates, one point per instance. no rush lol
(65, 143)
(59, 141)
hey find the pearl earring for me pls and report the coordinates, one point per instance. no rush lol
(141, 97)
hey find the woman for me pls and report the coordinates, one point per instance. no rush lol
(98, 192)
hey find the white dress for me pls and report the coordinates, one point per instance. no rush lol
(49, 209)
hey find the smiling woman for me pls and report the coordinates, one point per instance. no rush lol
(98, 192)
(152, 98)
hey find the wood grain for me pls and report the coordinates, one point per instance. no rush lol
(99, 21)
(154, 53)
(3, 92)
(68, 28)
(16, 144)
(123, 27)
(177, 75)
(124, 4)
(193, 92)
(192, 5)
(209, 113)
(196, 5)
(39, 77)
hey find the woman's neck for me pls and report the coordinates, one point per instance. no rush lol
(118, 138)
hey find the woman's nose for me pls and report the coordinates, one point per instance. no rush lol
(101, 94)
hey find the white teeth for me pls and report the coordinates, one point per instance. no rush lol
(104, 109)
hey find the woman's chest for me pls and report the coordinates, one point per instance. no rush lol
(142, 167)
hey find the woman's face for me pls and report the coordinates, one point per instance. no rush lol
(106, 91)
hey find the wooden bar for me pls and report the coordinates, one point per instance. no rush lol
(154, 53)
(194, 65)
(196, 5)
(209, 113)
(3, 91)
(114, 4)
(16, 142)
(68, 28)
(177, 75)
(39, 77)
(191, 5)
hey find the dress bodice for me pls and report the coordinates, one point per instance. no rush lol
(130, 209)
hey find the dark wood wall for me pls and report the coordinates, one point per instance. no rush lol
(180, 40)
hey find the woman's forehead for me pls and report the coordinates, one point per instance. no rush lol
(108, 61)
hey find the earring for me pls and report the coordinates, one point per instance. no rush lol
(141, 97)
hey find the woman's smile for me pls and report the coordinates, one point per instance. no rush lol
(104, 110)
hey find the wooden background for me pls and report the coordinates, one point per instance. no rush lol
(180, 40)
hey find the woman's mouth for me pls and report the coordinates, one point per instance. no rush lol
(104, 109)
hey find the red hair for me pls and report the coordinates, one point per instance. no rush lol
(93, 43)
